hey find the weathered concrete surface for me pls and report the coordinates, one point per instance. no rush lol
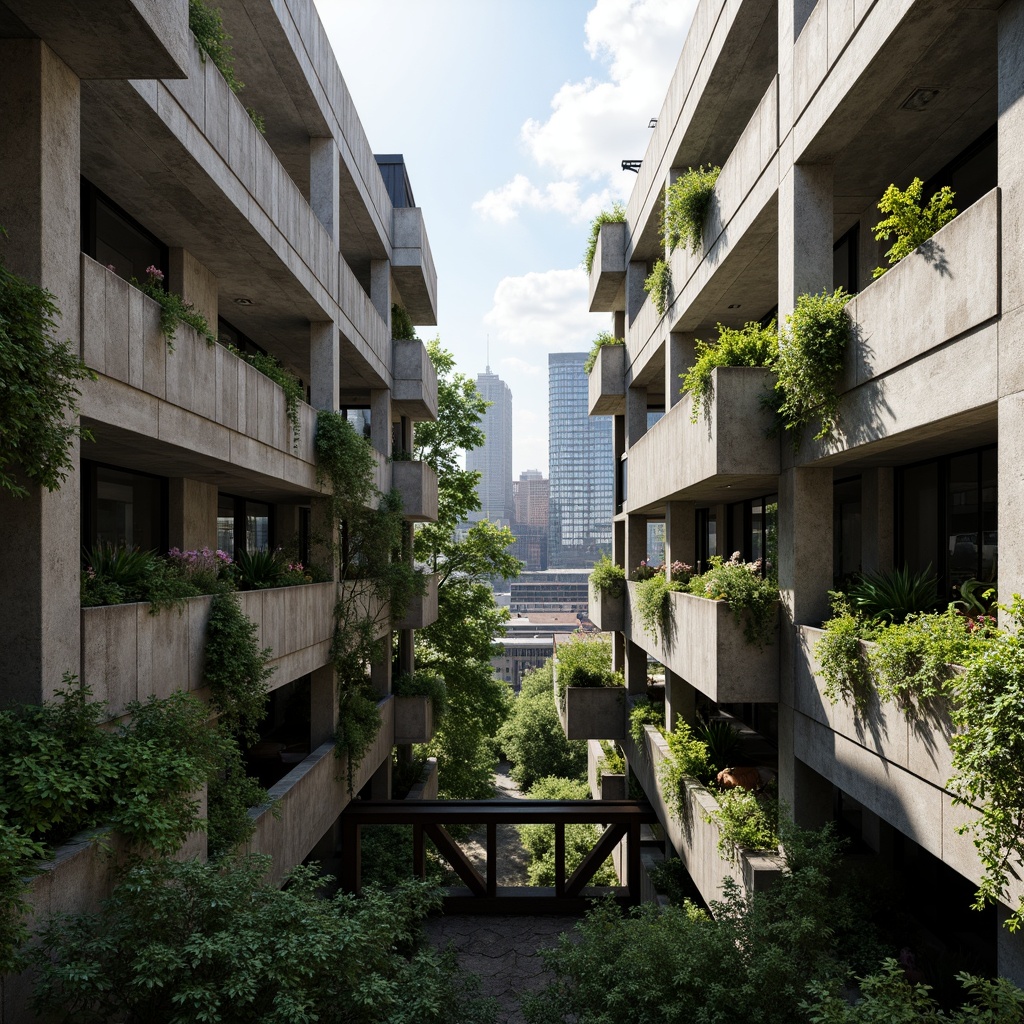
(422, 609)
(414, 720)
(416, 482)
(608, 273)
(607, 612)
(606, 383)
(414, 393)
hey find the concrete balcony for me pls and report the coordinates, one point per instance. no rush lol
(607, 612)
(603, 785)
(308, 800)
(422, 610)
(895, 765)
(426, 788)
(199, 400)
(129, 654)
(608, 272)
(702, 642)
(414, 720)
(412, 264)
(607, 382)
(416, 482)
(591, 712)
(932, 317)
(414, 391)
(365, 335)
(725, 455)
(695, 838)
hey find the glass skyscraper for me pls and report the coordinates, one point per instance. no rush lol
(493, 459)
(582, 471)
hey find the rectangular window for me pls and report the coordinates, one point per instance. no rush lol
(123, 508)
(116, 239)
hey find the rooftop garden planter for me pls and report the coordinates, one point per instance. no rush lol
(414, 720)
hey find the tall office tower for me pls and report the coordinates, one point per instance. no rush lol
(581, 464)
(493, 459)
(531, 493)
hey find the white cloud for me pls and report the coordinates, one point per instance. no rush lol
(513, 365)
(595, 124)
(503, 204)
(546, 311)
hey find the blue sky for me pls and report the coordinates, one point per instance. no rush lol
(513, 117)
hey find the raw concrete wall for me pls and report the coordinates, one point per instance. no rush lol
(608, 271)
(416, 482)
(422, 610)
(607, 612)
(414, 720)
(414, 393)
(607, 382)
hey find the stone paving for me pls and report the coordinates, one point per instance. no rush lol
(502, 951)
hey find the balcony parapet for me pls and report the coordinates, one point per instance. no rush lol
(695, 838)
(422, 609)
(412, 264)
(607, 611)
(591, 712)
(702, 642)
(416, 482)
(414, 391)
(608, 272)
(414, 720)
(603, 785)
(607, 381)
(724, 456)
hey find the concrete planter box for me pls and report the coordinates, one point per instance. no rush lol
(603, 785)
(415, 381)
(592, 712)
(726, 457)
(310, 797)
(607, 382)
(696, 839)
(702, 642)
(422, 610)
(129, 654)
(608, 613)
(218, 396)
(416, 482)
(412, 264)
(426, 788)
(608, 272)
(414, 720)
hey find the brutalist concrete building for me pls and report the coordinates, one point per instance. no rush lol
(811, 110)
(121, 149)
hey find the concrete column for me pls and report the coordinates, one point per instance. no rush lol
(195, 284)
(636, 415)
(680, 352)
(876, 519)
(380, 420)
(406, 651)
(636, 542)
(1010, 461)
(636, 274)
(380, 289)
(380, 673)
(635, 668)
(680, 700)
(805, 233)
(324, 365)
(39, 207)
(380, 782)
(191, 514)
(323, 705)
(325, 184)
(680, 533)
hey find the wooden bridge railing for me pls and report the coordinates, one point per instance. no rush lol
(482, 894)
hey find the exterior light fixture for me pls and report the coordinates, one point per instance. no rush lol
(919, 99)
(243, 302)
(632, 165)
(653, 123)
(734, 305)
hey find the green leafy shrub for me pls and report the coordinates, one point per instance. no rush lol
(891, 595)
(812, 347)
(180, 942)
(911, 224)
(402, 328)
(687, 201)
(645, 712)
(261, 569)
(612, 761)
(721, 739)
(38, 414)
(608, 578)
(751, 596)
(539, 840)
(616, 215)
(746, 821)
(750, 345)
(842, 659)
(532, 737)
(604, 338)
(688, 759)
(292, 387)
(585, 661)
(653, 606)
(207, 26)
(174, 309)
(423, 683)
(658, 284)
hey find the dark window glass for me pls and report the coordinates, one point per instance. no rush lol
(844, 261)
(919, 528)
(257, 526)
(123, 508)
(846, 527)
(114, 238)
(243, 525)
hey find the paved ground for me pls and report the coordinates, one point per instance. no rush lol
(502, 951)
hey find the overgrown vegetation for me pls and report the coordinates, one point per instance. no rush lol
(812, 346)
(616, 215)
(402, 328)
(687, 760)
(608, 578)
(658, 284)
(604, 338)
(586, 661)
(750, 345)
(174, 309)
(687, 201)
(746, 821)
(292, 387)
(751, 596)
(908, 222)
(181, 942)
(38, 389)
(652, 604)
